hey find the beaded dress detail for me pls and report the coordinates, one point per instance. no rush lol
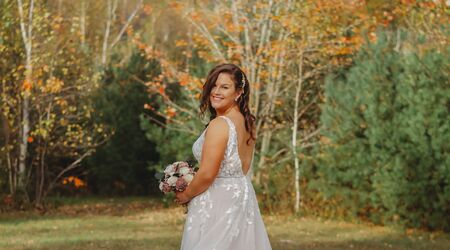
(226, 216)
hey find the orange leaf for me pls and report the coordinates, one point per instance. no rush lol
(147, 9)
(27, 84)
(171, 112)
(184, 79)
(180, 43)
(30, 139)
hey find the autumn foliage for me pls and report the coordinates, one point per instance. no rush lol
(69, 68)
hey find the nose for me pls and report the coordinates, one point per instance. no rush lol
(215, 90)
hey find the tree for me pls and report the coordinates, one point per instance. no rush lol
(26, 28)
(120, 166)
(49, 129)
(386, 121)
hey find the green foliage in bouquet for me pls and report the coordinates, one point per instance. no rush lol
(387, 123)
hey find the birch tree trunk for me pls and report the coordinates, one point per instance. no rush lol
(294, 134)
(83, 22)
(27, 36)
(109, 13)
(111, 18)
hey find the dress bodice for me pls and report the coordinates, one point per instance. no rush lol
(231, 165)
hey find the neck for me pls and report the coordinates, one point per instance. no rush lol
(226, 110)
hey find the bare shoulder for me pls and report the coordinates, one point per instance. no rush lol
(217, 127)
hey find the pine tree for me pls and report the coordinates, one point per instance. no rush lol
(121, 165)
(387, 121)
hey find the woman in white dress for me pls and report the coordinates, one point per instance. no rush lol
(223, 212)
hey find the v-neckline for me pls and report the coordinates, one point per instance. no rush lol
(237, 147)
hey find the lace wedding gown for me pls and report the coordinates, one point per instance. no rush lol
(226, 216)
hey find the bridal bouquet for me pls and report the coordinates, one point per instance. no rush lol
(176, 177)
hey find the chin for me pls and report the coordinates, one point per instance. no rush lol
(215, 106)
(218, 106)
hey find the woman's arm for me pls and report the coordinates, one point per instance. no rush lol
(214, 146)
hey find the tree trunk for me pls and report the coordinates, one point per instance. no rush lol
(109, 10)
(5, 136)
(25, 129)
(294, 134)
(111, 17)
(83, 22)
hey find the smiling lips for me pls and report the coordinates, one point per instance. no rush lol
(215, 98)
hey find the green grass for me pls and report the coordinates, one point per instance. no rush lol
(140, 223)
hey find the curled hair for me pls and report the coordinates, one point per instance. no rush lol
(239, 78)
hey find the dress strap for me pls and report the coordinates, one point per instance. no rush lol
(226, 118)
(233, 130)
(230, 123)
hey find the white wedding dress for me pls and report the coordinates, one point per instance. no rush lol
(226, 216)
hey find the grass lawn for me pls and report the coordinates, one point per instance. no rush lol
(138, 223)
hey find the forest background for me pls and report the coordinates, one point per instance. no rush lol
(351, 97)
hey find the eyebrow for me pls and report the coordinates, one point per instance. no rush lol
(224, 84)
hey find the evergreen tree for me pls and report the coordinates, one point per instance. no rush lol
(120, 166)
(387, 122)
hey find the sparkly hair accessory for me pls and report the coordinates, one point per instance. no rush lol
(243, 82)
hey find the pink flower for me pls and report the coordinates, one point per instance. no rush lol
(177, 177)
(165, 187)
(184, 164)
(181, 185)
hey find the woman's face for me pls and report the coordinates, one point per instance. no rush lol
(223, 92)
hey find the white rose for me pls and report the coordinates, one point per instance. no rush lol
(184, 170)
(188, 178)
(169, 170)
(172, 180)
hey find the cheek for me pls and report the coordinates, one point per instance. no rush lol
(228, 93)
(228, 96)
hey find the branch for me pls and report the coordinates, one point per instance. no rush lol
(125, 26)
(171, 128)
(70, 167)
(308, 145)
(205, 32)
(166, 97)
(278, 153)
(315, 132)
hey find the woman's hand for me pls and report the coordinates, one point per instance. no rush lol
(182, 198)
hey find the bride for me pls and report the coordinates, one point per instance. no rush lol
(223, 211)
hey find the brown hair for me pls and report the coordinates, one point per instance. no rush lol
(237, 76)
